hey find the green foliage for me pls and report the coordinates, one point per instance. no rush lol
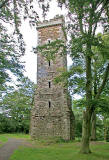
(104, 47)
(78, 111)
(16, 106)
(85, 17)
(99, 128)
(107, 129)
(6, 125)
(107, 134)
(49, 50)
(12, 46)
(10, 59)
(102, 107)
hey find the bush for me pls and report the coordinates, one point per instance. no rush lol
(9, 125)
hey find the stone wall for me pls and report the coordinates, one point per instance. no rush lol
(52, 115)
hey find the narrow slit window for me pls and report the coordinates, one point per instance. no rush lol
(49, 83)
(49, 41)
(49, 62)
(49, 103)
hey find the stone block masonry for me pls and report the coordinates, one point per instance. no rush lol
(52, 115)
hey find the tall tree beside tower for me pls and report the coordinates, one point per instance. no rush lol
(85, 18)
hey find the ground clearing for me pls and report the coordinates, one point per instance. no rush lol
(41, 150)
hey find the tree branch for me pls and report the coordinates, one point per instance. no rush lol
(106, 74)
(91, 15)
(99, 14)
(3, 3)
(80, 13)
(102, 8)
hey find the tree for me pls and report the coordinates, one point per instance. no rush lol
(12, 47)
(10, 50)
(85, 17)
(16, 106)
(102, 114)
(77, 109)
(103, 111)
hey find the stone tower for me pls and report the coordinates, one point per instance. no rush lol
(52, 115)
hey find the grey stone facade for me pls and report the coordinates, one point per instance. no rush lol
(52, 115)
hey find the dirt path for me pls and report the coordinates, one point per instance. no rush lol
(8, 148)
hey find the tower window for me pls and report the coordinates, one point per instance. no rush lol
(49, 41)
(49, 83)
(49, 62)
(49, 103)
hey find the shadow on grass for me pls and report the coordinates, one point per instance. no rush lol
(104, 156)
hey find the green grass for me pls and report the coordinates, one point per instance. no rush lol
(4, 137)
(50, 150)
(61, 151)
(18, 135)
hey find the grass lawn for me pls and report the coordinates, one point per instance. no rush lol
(42, 150)
(4, 137)
(61, 151)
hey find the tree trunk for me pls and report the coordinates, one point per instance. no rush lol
(104, 121)
(87, 114)
(93, 126)
(86, 132)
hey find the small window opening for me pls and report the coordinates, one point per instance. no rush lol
(49, 41)
(49, 104)
(49, 84)
(49, 62)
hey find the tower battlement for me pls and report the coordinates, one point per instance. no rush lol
(57, 20)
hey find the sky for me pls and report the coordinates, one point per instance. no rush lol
(30, 38)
